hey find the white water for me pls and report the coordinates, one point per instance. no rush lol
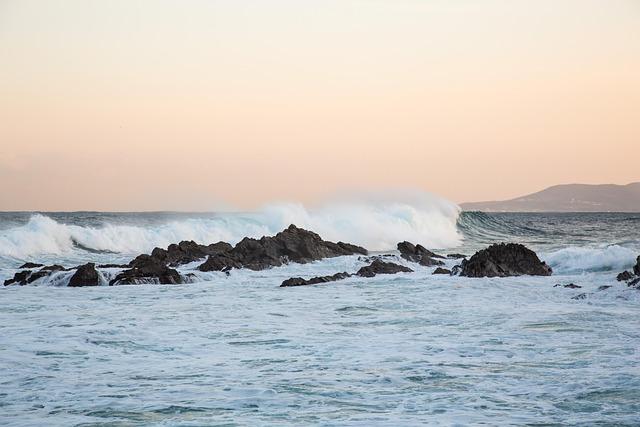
(377, 224)
(409, 349)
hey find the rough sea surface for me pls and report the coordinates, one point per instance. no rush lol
(408, 349)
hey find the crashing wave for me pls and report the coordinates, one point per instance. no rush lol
(374, 222)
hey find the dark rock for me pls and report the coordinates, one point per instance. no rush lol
(580, 296)
(185, 252)
(220, 262)
(624, 276)
(299, 281)
(636, 268)
(572, 286)
(25, 277)
(381, 267)
(113, 266)
(504, 260)
(147, 269)
(419, 254)
(19, 278)
(30, 265)
(441, 270)
(603, 287)
(634, 283)
(456, 270)
(291, 245)
(85, 275)
(53, 268)
(456, 256)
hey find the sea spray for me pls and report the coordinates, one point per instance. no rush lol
(376, 223)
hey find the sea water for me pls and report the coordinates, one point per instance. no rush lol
(407, 349)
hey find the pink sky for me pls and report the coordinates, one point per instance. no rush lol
(193, 105)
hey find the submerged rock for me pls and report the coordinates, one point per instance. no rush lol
(636, 268)
(30, 265)
(419, 254)
(456, 256)
(299, 281)
(504, 260)
(147, 269)
(441, 270)
(382, 267)
(85, 275)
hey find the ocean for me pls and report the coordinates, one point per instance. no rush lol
(408, 349)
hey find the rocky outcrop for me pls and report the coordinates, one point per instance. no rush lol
(291, 245)
(147, 269)
(624, 276)
(85, 275)
(185, 252)
(25, 277)
(632, 278)
(299, 281)
(30, 265)
(419, 254)
(382, 267)
(441, 270)
(504, 260)
(376, 267)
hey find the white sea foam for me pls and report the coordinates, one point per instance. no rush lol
(575, 259)
(376, 223)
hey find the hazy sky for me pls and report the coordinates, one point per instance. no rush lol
(137, 105)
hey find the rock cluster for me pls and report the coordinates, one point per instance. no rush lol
(24, 277)
(419, 254)
(376, 267)
(631, 277)
(291, 245)
(504, 260)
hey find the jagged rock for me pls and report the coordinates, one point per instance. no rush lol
(624, 276)
(291, 245)
(636, 268)
(504, 260)
(381, 267)
(30, 265)
(113, 266)
(85, 275)
(185, 252)
(219, 262)
(570, 286)
(634, 283)
(19, 278)
(28, 276)
(147, 269)
(456, 269)
(419, 254)
(441, 270)
(299, 281)
(456, 256)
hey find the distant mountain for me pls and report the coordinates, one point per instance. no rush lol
(569, 198)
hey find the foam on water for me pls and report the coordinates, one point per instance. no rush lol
(377, 224)
(585, 259)
(407, 349)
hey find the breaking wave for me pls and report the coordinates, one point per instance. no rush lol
(585, 259)
(375, 222)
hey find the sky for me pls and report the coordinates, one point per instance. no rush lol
(127, 105)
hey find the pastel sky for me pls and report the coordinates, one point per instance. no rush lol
(193, 105)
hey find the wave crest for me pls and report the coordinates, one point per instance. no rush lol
(375, 223)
